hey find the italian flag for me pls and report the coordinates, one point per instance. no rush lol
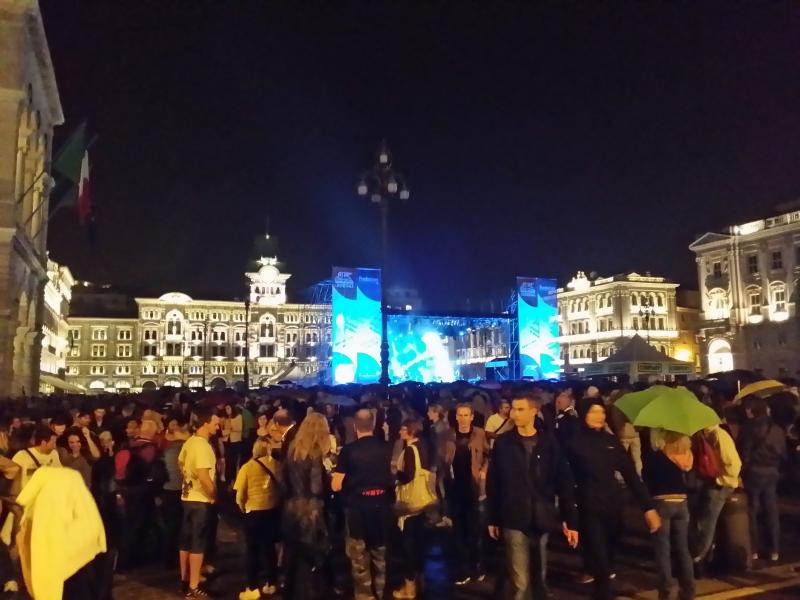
(72, 168)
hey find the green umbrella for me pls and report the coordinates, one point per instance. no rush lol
(679, 411)
(632, 404)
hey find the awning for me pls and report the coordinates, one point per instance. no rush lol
(61, 384)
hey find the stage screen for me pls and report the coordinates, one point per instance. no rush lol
(538, 327)
(356, 299)
(443, 348)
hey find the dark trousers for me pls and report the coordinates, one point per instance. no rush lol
(601, 533)
(526, 561)
(413, 537)
(233, 452)
(468, 526)
(261, 535)
(171, 516)
(299, 575)
(142, 533)
(762, 495)
(210, 552)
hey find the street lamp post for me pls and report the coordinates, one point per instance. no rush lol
(383, 185)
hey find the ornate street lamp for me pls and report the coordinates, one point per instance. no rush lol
(383, 185)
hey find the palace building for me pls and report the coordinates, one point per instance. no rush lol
(176, 340)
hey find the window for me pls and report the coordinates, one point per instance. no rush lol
(291, 337)
(173, 349)
(124, 351)
(149, 350)
(98, 350)
(717, 269)
(218, 369)
(238, 317)
(661, 323)
(219, 336)
(239, 336)
(150, 335)
(266, 350)
(174, 323)
(660, 301)
(195, 369)
(197, 316)
(267, 329)
(311, 337)
(97, 370)
(291, 351)
(238, 369)
(172, 369)
(123, 370)
(124, 334)
(636, 322)
(74, 352)
(602, 325)
(777, 260)
(197, 335)
(634, 300)
(220, 351)
(291, 318)
(752, 264)
(151, 315)
(240, 351)
(73, 371)
(780, 300)
(755, 303)
(99, 334)
(148, 369)
(75, 334)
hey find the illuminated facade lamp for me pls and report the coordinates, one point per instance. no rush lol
(391, 186)
(404, 194)
(383, 158)
(362, 188)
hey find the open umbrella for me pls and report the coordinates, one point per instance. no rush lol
(340, 401)
(760, 388)
(677, 410)
(632, 403)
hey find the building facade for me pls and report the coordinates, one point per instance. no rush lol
(748, 279)
(55, 328)
(29, 110)
(175, 340)
(596, 316)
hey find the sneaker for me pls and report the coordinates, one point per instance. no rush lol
(774, 557)
(197, 594)
(11, 586)
(249, 594)
(464, 581)
(481, 577)
(445, 522)
(269, 590)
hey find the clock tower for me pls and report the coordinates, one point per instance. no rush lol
(266, 282)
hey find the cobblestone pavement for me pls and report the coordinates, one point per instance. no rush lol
(635, 578)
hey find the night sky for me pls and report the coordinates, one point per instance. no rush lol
(537, 138)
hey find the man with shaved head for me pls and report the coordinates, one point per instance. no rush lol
(363, 476)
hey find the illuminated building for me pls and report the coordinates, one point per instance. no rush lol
(748, 278)
(29, 109)
(176, 340)
(597, 315)
(55, 329)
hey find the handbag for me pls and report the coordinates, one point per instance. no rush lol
(415, 496)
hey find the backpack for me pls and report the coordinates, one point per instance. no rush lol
(142, 474)
(706, 458)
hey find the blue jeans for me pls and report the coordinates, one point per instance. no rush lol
(762, 493)
(520, 566)
(673, 535)
(714, 499)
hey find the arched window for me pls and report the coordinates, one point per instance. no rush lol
(267, 327)
(174, 323)
(660, 300)
(634, 300)
(718, 304)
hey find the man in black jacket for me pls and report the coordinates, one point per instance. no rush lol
(526, 472)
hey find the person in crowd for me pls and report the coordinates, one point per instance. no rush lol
(596, 456)
(73, 455)
(82, 421)
(364, 477)
(258, 496)
(98, 422)
(232, 428)
(41, 453)
(140, 475)
(197, 463)
(287, 429)
(415, 454)
(305, 531)
(438, 429)
(262, 425)
(567, 422)
(626, 432)
(527, 472)
(500, 421)
(762, 446)
(664, 473)
(171, 509)
(715, 493)
(467, 463)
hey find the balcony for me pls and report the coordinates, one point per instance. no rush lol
(655, 334)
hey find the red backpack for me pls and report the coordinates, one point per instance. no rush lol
(706, 458)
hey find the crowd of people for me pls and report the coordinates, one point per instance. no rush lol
(368, 473)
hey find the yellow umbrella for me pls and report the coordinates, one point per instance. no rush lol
(760, 388)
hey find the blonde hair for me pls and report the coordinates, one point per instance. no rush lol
(312, 440)
(670, 442)
(260, 447)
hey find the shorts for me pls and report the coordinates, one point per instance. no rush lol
(195, 527)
